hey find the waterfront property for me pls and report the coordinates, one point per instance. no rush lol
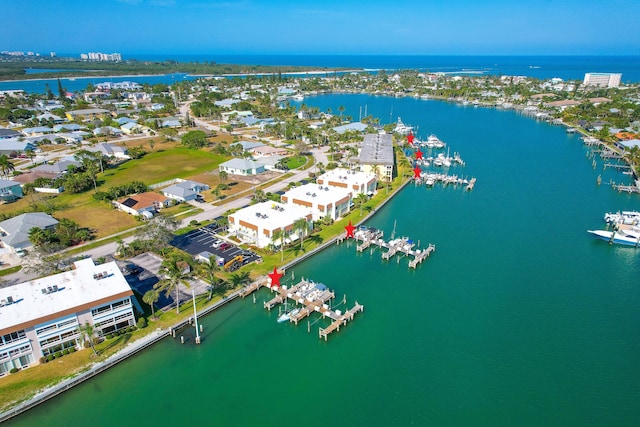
(357, 181)
(376, 156)
(257, 224)
(43, 316)
(321, 201)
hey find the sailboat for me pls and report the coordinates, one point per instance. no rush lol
(286, 315)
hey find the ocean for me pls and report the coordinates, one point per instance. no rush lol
(541, 67)
(520, 317)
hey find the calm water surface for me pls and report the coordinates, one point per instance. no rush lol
(519, 318)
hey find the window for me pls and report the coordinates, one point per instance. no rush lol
(13, 336)
(46, 329)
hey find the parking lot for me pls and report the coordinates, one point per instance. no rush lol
(205, 239)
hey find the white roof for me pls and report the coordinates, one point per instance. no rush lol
(76, 288)
(272, 215)
(317, 194)
(346, 176)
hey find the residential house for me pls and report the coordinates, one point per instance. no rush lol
(67, 127)
(15, 231)
(111, 150)
(130, 128)
(10, 190)
(89, 113)
(351, 127)
(145, 204)
(38, 131)
(57, 168)
(50, 117)
(107, 131)
(268, 151)
(43, 316)
(15, 146)
(185, 190)
(9, 133)
(245, 167)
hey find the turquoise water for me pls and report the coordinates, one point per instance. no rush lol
(518, 318)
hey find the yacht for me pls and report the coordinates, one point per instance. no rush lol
(629, 235)
(401, 128)
(622, 217)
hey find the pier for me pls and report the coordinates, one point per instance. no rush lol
(309, 297)
(430, 179)
(371, 237)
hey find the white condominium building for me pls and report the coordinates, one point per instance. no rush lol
(42, 316)
(602, 79)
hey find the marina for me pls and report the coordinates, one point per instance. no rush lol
(307, 297)
(403, 246)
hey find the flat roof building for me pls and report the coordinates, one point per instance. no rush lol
(41, 317)
(376, 156)
(258, 223)
(355, 181)
(602, 79)
(320, 200)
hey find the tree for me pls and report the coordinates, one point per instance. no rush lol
(208, 271)
(158, 231)
(121, 248)
(61, 91)
(6, 166)
(87, 332)
(278, 235)
(301, 226)
(239, 279)
(175, 273)
(195, 139)
(30, 154)
(151, 297)
(37, 236)
(223, 175)
(360, 200)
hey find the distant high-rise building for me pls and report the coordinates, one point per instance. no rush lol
(602, 79)
(99, 56)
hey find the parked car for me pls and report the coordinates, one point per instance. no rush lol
(224, 246)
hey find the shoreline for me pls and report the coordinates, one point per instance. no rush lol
(294, 73)
(147, 341)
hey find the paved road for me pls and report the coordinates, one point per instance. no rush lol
(210, 211)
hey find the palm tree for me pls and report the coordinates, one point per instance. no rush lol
(6, 166)
(360, 200)
(87, 332)
(301, 226)
(151, 297)
(30, 154)
(279, 235)
(37, 236)
(121, 248)
(208, 271)
(239, 279)
(223, 176)
(175, 273)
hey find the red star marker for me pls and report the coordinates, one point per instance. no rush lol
(416, 172)
(418, 155)
(410, 138)
(275, 277)
(349, 228)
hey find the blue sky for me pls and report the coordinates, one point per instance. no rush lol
(453, 27)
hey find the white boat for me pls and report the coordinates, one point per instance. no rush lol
(434, 142)
(622, 217)
(286, 316)
(629, 236)
(298, 97)
(401, 128)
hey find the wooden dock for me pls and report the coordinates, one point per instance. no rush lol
(312, 299)
(340, 321)
(422, 256)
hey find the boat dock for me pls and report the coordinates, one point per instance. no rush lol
(429, 179)
(340, 321)
(422, 256)
(371, 237)
(309, 297)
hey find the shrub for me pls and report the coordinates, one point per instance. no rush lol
(50, 357)
(65, 352)
(58, 354)
(14, 370)
(109, 336)
(135, 328)
(72, 350)
(142, 323)
(43, 359)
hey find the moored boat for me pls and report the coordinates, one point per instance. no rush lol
(629, 236)
(622, 217)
